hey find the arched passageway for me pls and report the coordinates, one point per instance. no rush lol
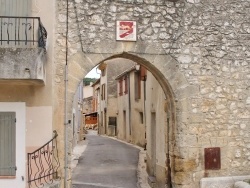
(165, 70)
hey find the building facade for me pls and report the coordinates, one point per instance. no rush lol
(108, 104)
(26, 88)
(77, 115)
(142, 118)
(131, 105)
(197, 50)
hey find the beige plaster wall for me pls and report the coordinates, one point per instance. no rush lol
(123, 124)
(38, 125)
(36, 95)
(155, 102)
(111, 112)
(87, 91)
(45, 9)
(38, 99)
(137, 106)
(103, 105)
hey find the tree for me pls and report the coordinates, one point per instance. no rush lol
(87, 81)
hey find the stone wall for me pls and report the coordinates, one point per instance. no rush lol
(209, 79)
(213, 52)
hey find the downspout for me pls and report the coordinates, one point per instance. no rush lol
(170, 117)
(65, 102)
(129, 106)
(144, 114)
(168, 156)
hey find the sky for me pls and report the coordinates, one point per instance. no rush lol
(93, 74)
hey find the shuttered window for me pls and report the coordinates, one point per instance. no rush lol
(120, 87)
(7, 144)
(137, 85)
(103, 96)
(143, 71)
(15, 7)
(126, 85)
(16, 29)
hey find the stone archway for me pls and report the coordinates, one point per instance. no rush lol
(163, 67)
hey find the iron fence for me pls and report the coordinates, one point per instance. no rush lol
(22, 32)
(43, 164)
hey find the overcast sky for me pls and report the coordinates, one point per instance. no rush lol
(93, 74)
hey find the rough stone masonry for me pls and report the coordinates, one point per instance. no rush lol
(210, 41)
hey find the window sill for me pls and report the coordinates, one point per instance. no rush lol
(7, 177)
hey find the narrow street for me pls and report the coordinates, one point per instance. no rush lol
(106, 163)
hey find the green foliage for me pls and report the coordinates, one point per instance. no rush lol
(87, 81)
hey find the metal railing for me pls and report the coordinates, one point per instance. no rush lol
(22, 32)
(43, 164)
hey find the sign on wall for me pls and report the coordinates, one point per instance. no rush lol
(126, 30)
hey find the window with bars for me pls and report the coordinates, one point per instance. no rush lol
(7, 143)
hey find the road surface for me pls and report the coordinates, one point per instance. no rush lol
(106, 163)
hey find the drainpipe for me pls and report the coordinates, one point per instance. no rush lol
(66, 127)
(144, 113)
(168, 155)
(65, 102)
(129, 105)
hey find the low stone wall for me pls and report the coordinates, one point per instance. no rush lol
(222, 182)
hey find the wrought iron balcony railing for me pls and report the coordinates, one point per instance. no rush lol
(43, 164)
(23, 32)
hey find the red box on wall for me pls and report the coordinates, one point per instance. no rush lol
(212, 158)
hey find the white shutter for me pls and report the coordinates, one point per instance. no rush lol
(14, 28)
(15, 8)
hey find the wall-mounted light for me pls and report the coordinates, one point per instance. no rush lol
(137, 67)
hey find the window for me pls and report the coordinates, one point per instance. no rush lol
(15, 7)
(103, 72)
(141, 117)
(137, 86)
(120, 87)
(126, 85)
(112, 121)
(143, 71)
(101, 118)
(103, 92)
(7, 143)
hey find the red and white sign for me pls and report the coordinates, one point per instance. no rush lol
(126, 30)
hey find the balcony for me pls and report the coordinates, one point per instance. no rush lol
(22, 50)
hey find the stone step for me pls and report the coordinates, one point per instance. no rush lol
(55, 184)
(241, 184)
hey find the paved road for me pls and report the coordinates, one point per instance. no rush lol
(106, 163)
